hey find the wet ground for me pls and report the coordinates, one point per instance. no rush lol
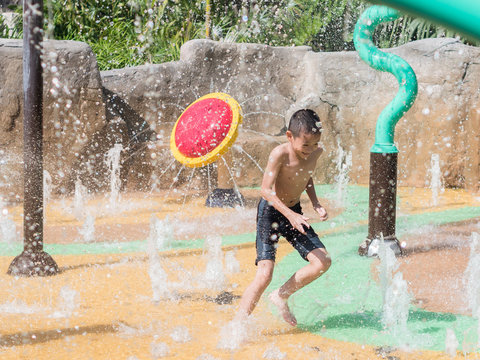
(102, 305)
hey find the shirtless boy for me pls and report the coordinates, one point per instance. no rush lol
(287, 175)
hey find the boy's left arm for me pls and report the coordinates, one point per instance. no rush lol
(322, 212)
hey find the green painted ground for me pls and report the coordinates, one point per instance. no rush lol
(345, 304)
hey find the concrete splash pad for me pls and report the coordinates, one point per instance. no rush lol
(101, 304)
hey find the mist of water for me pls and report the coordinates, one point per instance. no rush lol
(68, 300)
(472, 280)
(235, 186)
(236, 332)
(79, 199)
(47, 188)
(161, 232)
(18, 306)
(343, 161)
(159, 350)
(436, 183)
(472, 276)
(180, 334)
(206, 357)
(451, 343)
(240, 149)
(232, 266)
(87, 231)
(8, 229)
(113, 163)
(8, 162)
(158, 277)
(274, 353)
(214, 276)
(395, 295)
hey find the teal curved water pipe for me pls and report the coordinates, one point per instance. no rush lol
(379, 60)
(459, 15)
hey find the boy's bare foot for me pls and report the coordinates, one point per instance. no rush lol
(282, 306)
(241, 316)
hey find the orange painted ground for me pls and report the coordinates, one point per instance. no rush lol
(101, 306)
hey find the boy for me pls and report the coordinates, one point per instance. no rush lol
(287, 174)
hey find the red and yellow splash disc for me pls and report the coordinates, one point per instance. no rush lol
(206, 130)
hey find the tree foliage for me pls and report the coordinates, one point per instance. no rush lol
(134, 32)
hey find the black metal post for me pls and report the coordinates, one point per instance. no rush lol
(382, 204)
(33, 261)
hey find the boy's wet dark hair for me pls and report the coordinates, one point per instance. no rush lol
(306, 121)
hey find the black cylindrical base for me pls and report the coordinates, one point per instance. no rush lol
(37, 263)
(224, 198)
(382, 202)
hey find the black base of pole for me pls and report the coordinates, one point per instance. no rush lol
(36, 263)
(224, 198)
(369, 247)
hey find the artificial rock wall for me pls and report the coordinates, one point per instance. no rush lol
(87, 111)
(73, 112)
(270, 83)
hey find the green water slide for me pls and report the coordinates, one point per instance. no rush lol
(460, 15)
(394, 64)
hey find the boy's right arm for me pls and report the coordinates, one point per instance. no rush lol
(272, 169)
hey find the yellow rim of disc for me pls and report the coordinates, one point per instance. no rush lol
(226, 143)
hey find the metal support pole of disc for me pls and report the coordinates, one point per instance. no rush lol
(225, 194)
(33, 261)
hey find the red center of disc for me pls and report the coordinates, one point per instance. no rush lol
(202, 127)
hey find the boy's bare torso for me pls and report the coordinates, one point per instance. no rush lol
(294, 174)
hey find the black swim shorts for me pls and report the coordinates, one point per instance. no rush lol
(271, 224)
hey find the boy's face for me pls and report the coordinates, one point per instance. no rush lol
(304, 144)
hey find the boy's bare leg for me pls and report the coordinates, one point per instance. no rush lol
(254, 291)
(319, 262)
